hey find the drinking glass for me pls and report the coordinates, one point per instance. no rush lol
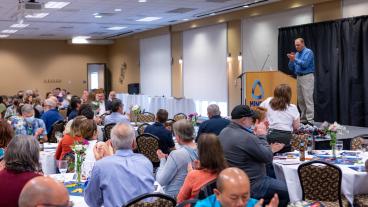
(59, 136)
(339, 146)
(63, 167)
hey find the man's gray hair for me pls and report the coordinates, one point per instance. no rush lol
(214, 110)
(122, 136)
(27, 108)
(50, 102)
(184, 129)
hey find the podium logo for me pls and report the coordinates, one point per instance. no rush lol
(259, 96)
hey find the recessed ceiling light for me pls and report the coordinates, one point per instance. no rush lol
(9, 31)
(246, 6)
(212, 14)
(80, 39)
(56, 4)
(3, 35)
(185, 19)
(20, 25)
(37, 15)
(116, 28)
(148, 19)
(142, 1)
(118, 10)
(98, 16)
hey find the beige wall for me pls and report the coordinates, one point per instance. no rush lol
(125, 50)
(26, 64)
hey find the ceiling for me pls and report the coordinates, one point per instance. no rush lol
(77, 18)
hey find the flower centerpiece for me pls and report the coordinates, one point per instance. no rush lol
(136, 111)
(79, 150)
(332, 130)
(95, 106)
(193, 117)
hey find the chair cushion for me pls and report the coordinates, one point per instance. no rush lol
(361, 200)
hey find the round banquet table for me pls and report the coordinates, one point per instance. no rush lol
(353, 182)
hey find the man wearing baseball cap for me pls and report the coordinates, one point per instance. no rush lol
(248, 150)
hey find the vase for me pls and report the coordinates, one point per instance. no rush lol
(333, 144)
(78, 167)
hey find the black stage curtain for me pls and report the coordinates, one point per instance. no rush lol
(341, 59)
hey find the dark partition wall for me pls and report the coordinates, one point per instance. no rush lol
(341, 58)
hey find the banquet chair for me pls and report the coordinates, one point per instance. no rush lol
(169, 124)
(146, 117)
(58, 126)
(321, 181)
(358, 142)
(179, 116)
(207, 190)
(147, 200)
(361, 200)
(148, 145)
(141, 128)
(107, 131)
(296, 139)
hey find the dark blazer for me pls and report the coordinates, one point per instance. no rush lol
(166, 139)
(214, 125)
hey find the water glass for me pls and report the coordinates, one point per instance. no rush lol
(63, 167)
(339, 146)
(59, 136)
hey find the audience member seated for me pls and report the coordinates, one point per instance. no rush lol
(28, 125)
(117, 113)
(121, 177)
(2, 107)
(12, 111)
(88, 129)
(84, 97)
(51, 114)
(174, 168)
(75, 103)
(69, 139)
(103, 104)
(44, 191)
(166, 142)
(6, 134)
(250, 152)
(21, 164)
(215, 124)
(211, 163)
(112, 96)
(233, 190)
(283, 117)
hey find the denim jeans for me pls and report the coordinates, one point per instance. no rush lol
(266, 189)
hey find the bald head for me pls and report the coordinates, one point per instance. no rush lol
(43, 190)
(233, 188)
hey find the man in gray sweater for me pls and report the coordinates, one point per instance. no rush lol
(249, 151)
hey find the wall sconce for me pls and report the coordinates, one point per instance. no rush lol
(181, 61)
(228, 58)
(240, 57)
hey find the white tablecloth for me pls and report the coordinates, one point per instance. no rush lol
(353, 182)
(48, 162)
(153, 104)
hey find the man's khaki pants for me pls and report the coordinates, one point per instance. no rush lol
(305, 86)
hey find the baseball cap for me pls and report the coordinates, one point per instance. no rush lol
(241, 111)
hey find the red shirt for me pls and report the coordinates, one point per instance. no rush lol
(65, 145)
(11, 184)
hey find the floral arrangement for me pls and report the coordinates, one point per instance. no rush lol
(95, 105)
(80, 153)
(193, 117)
(332, 130)
(136, 109)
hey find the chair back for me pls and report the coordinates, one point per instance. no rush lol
(207, 190)
(169, 124)
(179, 116)
(63, 113)
(158, 200)
(359, 142)
(58, 126)
(146, 117)
(148, 145)
(107, 131)
(320, 181)
(296, 139)
(141, 128)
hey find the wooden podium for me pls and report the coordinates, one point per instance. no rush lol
(260, 85)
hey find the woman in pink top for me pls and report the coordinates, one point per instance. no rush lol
(211, 163)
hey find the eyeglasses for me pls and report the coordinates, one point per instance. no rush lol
(69, 204)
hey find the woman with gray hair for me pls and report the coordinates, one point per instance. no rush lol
(21, 165)
(173, 168)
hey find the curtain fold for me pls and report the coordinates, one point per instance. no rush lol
(341, 59)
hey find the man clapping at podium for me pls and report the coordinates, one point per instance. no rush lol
(302, 64)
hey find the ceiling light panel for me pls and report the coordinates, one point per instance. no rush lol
(37, 15)
(56, 4)
(148, 19)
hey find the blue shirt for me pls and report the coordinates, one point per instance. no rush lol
(214, 125)
(166, 139)
(119, 178)
(50, 117)
(304, 62)
(116, 117)
(211, 201)
(72, 114)
(21, 126)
